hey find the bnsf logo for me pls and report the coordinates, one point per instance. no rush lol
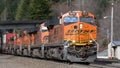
(73, 32)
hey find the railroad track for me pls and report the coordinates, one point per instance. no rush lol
(70, 65)
(104, 66)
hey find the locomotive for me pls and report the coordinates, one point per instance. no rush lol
(73, 39)
(78, 32)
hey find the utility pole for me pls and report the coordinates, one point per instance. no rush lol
(83, 5)
(111, 50)
(112, 8)
(67, 5)
(70, 5)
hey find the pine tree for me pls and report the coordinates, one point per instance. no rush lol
(22, 9)
(8, 9)
(12, 6)
(2, 5)
(39, 10)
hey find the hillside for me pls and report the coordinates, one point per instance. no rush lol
(105, 24)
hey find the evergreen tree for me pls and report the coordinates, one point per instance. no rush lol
(7, 9)
(22, 9)
(56, 1)
(12, 6)
(2, 5)
(39, 10)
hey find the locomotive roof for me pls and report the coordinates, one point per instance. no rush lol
(19, 22)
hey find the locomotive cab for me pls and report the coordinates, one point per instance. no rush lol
(79, 28)
(44, 33)
(74, 37)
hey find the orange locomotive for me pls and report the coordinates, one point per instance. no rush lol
(44, 33)
(25, 40)
(78, 27)
(78, 31)
(18, 41)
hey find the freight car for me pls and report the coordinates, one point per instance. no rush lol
(73, 39)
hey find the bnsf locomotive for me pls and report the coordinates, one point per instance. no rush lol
(73, 39)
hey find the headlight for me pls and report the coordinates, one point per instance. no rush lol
(90, 41)
(81, 26)
(73, 41)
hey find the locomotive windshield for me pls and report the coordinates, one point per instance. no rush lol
(44, 28)
(70, 19)
(87, 20)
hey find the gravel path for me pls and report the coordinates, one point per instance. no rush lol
(10, 61)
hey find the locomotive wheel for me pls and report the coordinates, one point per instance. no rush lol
(18, 52)
(12, 52)
(49, 54)
(78, 52)
(54, 53)
(36, 53)
(60, 55)
(83, 54)
(25, 52)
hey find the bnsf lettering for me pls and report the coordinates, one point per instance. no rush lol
(73, 32)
